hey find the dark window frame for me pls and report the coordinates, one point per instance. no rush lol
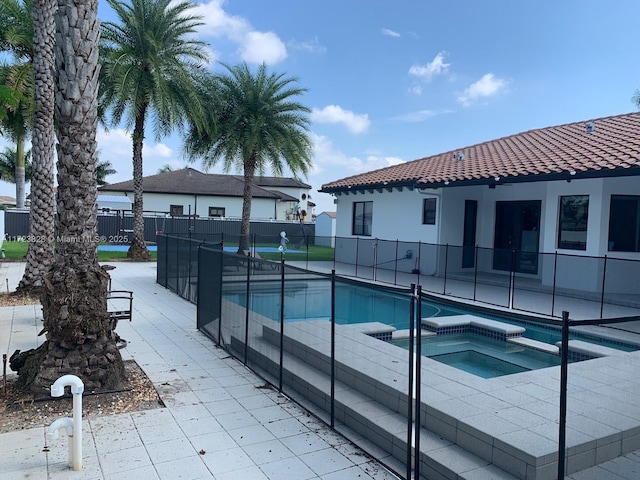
(176, 210)
(363, 210)
(624, 224)
(573, 217)
(429, 211)
(222, 209)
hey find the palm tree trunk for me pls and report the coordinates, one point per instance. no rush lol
(138, 249)
(80, 340)
(41, 220)
(245, 224)
(20, 172)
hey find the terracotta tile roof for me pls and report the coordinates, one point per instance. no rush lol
(192, 182)
(612, 148)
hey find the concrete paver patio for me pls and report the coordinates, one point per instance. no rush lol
(213, 406)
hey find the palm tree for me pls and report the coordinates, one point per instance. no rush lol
(17, 123)
(103, 169)
(166, 168)
(41, 214)
(79, 338)
(8, 165)
(16, 38)
(151, 65)
(258, 124)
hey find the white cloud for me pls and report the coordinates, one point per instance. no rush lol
(116, 147)
(259, 47)
(433, 68)
(415, 90)
(487, 86)
(419, 116)
(312, 46)
(390, 33)
(334, 164)
(253, 46)
(355, 123)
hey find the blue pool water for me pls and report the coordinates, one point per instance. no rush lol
(482, 356)
(309, 299)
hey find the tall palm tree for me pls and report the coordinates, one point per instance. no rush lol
(103, 169)
(151, 66)
(16, 38)
(258, 124)
(79, 338)
(8, 165)
(41, 215)
(18, 120)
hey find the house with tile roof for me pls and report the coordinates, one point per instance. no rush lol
(572, 189)
(191, 192)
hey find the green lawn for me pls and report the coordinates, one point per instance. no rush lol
(18, 251)
(316, 254)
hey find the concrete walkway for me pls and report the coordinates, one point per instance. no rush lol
(217, 424)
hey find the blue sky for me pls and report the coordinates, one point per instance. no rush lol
(395, 81)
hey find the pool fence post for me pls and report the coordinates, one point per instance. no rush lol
(564, 367)
(604, 279)
(221, 273)
(280, 370)
(512, 278)
(395, 268)
(333, 348)
(475, 273)
(419, 260)
(375, 258)
(553, 292)
(357, 246)
(246, 311)
(446, 262)
(412, 332)
(189, 269)
(418, 376)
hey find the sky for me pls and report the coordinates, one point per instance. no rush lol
(390, 82)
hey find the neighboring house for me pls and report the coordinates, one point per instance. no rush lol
(110, 203)
(6, 202)
(190, 192)
(326, 229)
(572, 189)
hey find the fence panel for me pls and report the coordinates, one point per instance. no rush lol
(536, 294)
(161, 265)
(585, 285)
(209, 291)
(492, 287)
(372, 375)
(430, 266)
(621, 287)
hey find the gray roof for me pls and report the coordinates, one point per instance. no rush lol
(192, 182)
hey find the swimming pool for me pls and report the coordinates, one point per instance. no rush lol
(482, 356)
(358, 304)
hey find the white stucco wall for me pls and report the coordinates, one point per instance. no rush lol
(261, 208)
(325, 230)
(398, 215)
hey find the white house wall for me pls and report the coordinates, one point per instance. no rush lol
(261, 208)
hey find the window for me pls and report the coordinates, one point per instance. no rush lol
(216, 212)
(176, 210)
(572, 230)
(624, 223)
(362, 217)
(429, 211)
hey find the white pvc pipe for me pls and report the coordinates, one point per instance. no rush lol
(75, 440)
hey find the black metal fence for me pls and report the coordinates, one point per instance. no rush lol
(535, 282)
(291, 326)
(177, 265)
(117, 227)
